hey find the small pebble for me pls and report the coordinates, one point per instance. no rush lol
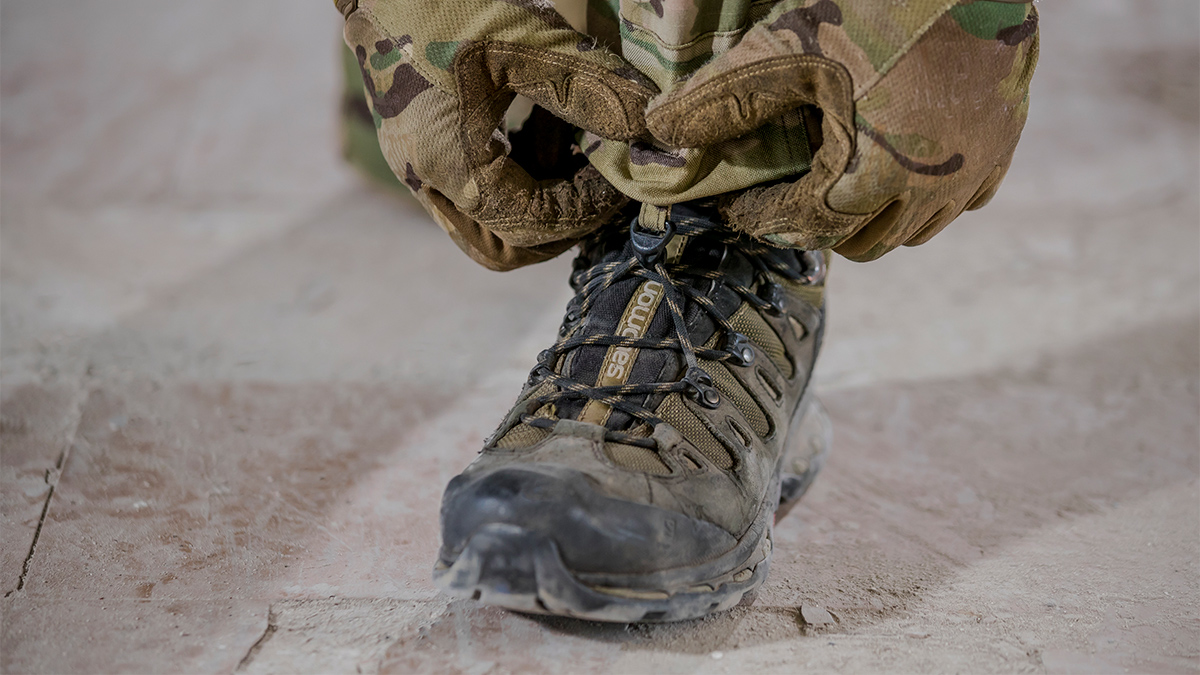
(717, 655)
(815, 615)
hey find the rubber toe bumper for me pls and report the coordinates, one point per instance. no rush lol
(591, 532)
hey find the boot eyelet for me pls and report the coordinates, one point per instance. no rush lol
(570, 322)
(814, 267)
(539, 373)
(772, 294)
(740, 350)
(703, 391)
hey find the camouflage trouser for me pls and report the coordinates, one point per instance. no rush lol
(360, 143)
(856, 125)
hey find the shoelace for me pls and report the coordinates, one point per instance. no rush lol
(647, 263)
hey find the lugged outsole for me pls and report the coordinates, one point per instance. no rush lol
(508, 566)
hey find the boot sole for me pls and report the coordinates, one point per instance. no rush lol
(508, 566)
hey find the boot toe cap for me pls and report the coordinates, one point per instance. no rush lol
(594, 532)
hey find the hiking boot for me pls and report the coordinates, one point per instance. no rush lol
(640, 472)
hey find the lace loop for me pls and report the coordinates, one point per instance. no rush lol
(649, 245)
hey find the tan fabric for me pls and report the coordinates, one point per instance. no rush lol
(636, 458)
(676, 413)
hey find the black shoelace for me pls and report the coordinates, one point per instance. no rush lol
(647, 263)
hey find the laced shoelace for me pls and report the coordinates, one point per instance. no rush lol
(646, 263)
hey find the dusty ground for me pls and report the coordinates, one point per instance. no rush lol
(235, 379)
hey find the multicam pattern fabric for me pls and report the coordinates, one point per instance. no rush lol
(913, 110)
(922, 104)
(360, 138)
(667, 41)
(439, 77)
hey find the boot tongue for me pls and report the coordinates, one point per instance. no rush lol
(643, 311)
(633, 307)
(637, 308)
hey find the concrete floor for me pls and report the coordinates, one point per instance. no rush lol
(236, 377)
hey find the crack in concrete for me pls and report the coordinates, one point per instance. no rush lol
(37, 531)
(53, 476)
(272, 626)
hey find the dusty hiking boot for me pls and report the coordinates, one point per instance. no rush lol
(639, 474)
